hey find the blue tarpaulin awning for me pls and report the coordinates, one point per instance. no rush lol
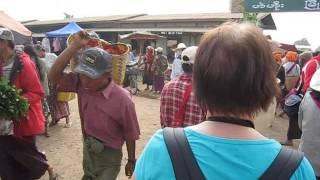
(70, 28)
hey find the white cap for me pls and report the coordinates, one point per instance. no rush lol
(181, 46)
(315, 81)
(159, 49)
(190, 53)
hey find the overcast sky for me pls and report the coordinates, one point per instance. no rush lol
(291, 26)
(294, 26)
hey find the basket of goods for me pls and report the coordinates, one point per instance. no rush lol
(119, 52)
(65, 96)
(120, 56)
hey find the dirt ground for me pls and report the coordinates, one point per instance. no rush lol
(64, 147)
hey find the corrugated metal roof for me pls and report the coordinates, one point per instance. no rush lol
(84, 19)
(199, 30)
(196, 30)
(143, 17)
(141, 35)
(203, 16)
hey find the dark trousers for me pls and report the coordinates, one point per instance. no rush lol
(294, 131)
(20, 159)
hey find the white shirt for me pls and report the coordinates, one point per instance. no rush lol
(176, 69)
(46, 44)
(294, 72)
(131, 57)
(7, 70)
(50, 59)
(6, 126)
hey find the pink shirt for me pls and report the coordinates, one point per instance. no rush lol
(108, 115)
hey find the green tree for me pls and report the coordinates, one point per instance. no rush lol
(250, 17)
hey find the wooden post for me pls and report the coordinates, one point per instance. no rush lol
(141, 43)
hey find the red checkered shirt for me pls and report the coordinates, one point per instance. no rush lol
(171, 100)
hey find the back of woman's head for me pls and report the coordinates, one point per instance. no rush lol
(29, 49)
(234, 73)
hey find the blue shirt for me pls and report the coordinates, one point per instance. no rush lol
(131, 57)
(176, 69)
(218, 158)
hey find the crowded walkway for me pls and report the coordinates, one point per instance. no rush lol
(224, 102)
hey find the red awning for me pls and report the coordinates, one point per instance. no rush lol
(8, 22)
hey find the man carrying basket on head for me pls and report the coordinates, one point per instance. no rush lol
(107, 112)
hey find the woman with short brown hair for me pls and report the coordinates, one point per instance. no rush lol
(235, 73)
(234, 78)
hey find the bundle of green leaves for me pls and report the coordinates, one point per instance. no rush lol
(12, 105)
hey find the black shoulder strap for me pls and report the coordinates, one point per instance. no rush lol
(291, 68)
(284, 166)
(186, 167)
(184, 163)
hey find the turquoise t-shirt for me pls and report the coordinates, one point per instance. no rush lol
(218, 158)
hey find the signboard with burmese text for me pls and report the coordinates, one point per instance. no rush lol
(282, 5)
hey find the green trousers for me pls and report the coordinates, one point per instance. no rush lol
(99, 161)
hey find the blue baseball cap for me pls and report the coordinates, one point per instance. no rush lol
(94, 62)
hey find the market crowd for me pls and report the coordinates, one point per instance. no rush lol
(209, 97)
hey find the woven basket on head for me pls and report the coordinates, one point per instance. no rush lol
(119, 62)
(120, 56)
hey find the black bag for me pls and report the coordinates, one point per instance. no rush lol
(293, 100)
(292, 104)
(186, 167)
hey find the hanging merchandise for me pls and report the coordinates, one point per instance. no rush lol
(46, 45)
(56, 45)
